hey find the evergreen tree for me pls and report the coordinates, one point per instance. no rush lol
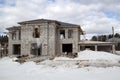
(117, 35)
(104, 38)
(110, 36)
(94, 38)
(3, 39)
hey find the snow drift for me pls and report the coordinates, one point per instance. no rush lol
(92, 55)
(97, 55)
(10, 70)
(92, 58)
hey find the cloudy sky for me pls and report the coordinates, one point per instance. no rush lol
(95, 16)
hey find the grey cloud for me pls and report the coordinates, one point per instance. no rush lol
(87, 13)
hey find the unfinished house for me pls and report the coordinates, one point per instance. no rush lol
(44, 37)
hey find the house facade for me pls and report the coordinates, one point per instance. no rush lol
(44, 37)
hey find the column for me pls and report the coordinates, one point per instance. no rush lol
(95, 47)
(113, 49)
(78, 48)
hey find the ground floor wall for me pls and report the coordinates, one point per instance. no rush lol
(32, 48)
(68, 47)
(11, 46)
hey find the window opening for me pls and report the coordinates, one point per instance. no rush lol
(70, 33)
(36, 32)
(19, 35)
(13, 35)
(62, 34)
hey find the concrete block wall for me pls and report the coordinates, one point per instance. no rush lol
(73, 40)
(27, 38)
(52, 39)
(49, 39)
(43, 38)
(12, 42)
(57, 42)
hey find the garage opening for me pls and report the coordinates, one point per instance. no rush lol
(84, 47)
(105, 48)
(16, 49)
(67, 48)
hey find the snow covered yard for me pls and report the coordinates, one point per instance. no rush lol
(93, 58)
(62, 68)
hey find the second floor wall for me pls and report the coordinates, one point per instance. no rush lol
(15, 35)
(30, 32)
(69, 34)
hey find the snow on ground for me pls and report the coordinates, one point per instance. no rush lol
(93, 58)
(92, 55)
(60, 70)
(118, 52)
(97, 55)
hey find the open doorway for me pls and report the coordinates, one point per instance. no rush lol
(67, 48)
(16, 49)
(36, 50)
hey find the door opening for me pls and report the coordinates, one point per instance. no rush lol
(16, 49)
(36, 50)
(67, 48)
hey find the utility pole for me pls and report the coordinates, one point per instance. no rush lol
(84, 33)
(113, 32)
(113, 46)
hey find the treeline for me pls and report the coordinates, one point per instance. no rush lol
(3, 39)
(105, 37)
